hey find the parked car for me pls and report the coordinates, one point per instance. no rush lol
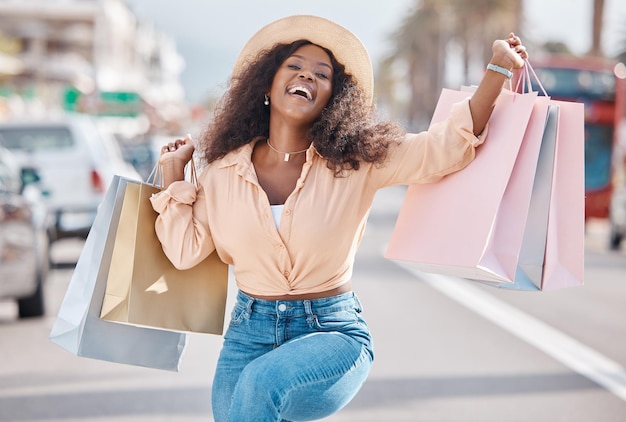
(75, 161)
(617, 218)
(23, 242)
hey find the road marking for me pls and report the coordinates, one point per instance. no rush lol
(570, 352)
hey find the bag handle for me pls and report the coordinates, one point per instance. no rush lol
(156, 175)
(524, 81)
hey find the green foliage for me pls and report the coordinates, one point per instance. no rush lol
(557, 47)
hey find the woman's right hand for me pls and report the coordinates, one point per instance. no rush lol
(174, 156)
(509, 53)
(177, 153)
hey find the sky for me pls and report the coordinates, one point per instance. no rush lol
(210, 33)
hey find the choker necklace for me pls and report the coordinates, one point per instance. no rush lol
(287, 154)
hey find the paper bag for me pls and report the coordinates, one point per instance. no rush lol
(565, 245)
(531, 207)
(144, 288)
(447, 227)
(78, 327)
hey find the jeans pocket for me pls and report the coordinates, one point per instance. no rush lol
(238, 314)
(335, 321)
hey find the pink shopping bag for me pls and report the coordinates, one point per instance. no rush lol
(565, 243)
(552, 255)
(515, 202)
(448, 227)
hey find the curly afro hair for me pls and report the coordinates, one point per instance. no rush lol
(346, 133)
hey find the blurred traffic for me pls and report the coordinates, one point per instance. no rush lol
(598, 83)
(23, 238)
(75, 162)
(83, 86)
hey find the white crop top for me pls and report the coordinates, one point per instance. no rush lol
(277, 210)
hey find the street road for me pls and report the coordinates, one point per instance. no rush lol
(446, 350)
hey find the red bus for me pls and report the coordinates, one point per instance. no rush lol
(599, 84)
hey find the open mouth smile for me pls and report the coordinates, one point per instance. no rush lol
(301, 91)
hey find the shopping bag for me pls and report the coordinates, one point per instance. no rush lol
(78, 327)
(144, 288)
(552, 254)
(545, 224)
(563, 220)
(565, 244)
(447, 227)
(520, 203)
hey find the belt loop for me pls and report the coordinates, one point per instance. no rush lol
(308, 309)
(249, 305)
(357, 303)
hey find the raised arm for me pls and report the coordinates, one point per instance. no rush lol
(507, 55)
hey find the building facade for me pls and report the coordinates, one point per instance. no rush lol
(87, 56)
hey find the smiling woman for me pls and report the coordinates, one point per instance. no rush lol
(293, 158)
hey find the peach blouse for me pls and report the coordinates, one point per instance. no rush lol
(322, 221)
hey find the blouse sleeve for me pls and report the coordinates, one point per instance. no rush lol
(426, 157)
(182, 224)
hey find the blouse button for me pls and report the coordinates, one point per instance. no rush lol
(287, 212)
(286, 273)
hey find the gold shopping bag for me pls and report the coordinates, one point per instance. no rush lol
(144, 288)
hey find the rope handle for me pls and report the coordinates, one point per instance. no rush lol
(156, 175)
(524, 81)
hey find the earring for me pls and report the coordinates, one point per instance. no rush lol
(267, 100)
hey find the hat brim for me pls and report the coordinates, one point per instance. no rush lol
(345, 46)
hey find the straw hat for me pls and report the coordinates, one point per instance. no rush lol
(346, 47)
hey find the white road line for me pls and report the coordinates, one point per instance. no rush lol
(570, 352)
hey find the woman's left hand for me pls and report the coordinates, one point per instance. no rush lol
(509, 53)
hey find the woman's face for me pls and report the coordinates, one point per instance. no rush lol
(302, 85)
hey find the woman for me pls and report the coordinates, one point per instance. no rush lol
(294, 157)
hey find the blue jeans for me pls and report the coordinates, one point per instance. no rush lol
(291, 360)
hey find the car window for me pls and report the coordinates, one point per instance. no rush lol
(36, 139)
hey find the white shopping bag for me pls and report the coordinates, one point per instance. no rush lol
(78, 327)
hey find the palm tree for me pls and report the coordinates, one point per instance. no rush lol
(419, 48)
(478, 23)
(596, 34)
(422, 41)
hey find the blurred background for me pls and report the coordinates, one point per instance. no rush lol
(149, 69)
(93, 88)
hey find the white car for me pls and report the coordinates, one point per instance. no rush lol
(23, 243)
(75, 162)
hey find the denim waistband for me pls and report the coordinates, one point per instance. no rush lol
(341, 302)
